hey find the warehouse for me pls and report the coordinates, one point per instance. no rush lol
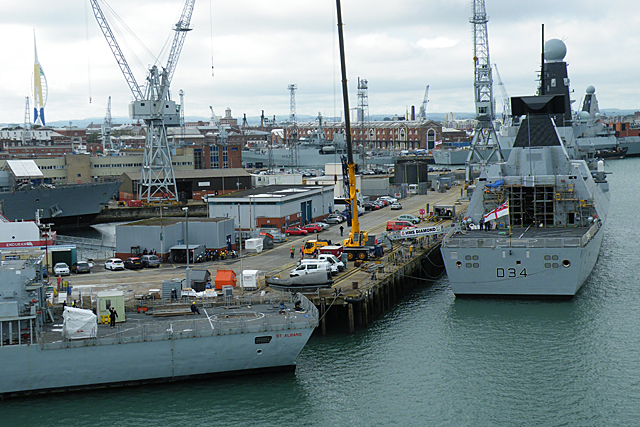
(275, 206)
(161, 234)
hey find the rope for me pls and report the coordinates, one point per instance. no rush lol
(327, 310)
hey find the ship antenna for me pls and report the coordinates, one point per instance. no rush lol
(542, 64)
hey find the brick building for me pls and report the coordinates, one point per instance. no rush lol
(383, 135)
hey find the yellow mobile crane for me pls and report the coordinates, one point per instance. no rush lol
(356, 245)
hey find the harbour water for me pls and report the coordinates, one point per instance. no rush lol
(432, 360)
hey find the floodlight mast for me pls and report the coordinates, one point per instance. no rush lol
(155, 107)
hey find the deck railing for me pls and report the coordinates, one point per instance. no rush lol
(236, 321)
(453, 240)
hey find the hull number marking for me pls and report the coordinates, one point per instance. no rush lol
(510, 272)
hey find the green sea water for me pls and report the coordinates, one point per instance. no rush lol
(433, 360)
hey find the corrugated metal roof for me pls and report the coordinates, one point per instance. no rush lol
(24, 169)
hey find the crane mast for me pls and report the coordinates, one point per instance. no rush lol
(422, 114)
(484, 146)
(155, 107)
(106, 129)
(115, 49)
(355, 244)
(506, 105)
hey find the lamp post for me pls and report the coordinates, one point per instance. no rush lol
(186, 216)
(162, 234)
(240, 249)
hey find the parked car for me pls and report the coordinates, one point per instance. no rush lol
(61, 269)
(114, 264)
(296, 231)
(312, 228)
(389, 198)
(150, 261)
(383, 201)
(396, 206)
(81, 267)
(410, 218)
(323, 225)
(370, 206)
(334, 219)
(133, 263)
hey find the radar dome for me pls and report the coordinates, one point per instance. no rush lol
(591, 90)
(554, 50)
(584, 115)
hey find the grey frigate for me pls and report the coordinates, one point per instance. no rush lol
(23, 192)
(241, 336)
(546, 213)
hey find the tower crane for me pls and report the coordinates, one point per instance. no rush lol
(422, 113)
(506, 105)
(222, 131)
(106, 128)
(484, 145)
(154, 106)
(26, 130)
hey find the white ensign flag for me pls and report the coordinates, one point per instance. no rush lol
(502, 210)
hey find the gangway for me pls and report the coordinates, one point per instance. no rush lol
(412, 233)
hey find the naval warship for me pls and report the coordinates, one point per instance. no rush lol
(23, 195)
(240, 336)
(534, 224)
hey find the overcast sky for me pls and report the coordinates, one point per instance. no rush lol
(258, 47)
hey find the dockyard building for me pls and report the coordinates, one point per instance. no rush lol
(276, 206)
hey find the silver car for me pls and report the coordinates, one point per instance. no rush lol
(334, 219)
(150, 261)
(61, 269)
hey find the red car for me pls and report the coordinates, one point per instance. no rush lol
(296, 230)
(312, 228)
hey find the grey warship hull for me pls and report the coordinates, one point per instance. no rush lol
(65, 205)
(116, 359)
(540, 266)
(309, 157)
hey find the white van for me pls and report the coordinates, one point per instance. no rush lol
(333, 268)
(333, 260)
(317, 273)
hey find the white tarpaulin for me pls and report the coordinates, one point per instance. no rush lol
(79, 323)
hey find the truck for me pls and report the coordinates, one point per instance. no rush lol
(311, 246)
(332, 249)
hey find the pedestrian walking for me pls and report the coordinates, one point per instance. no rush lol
(292, 252)
(112, 315)
(341, 230)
